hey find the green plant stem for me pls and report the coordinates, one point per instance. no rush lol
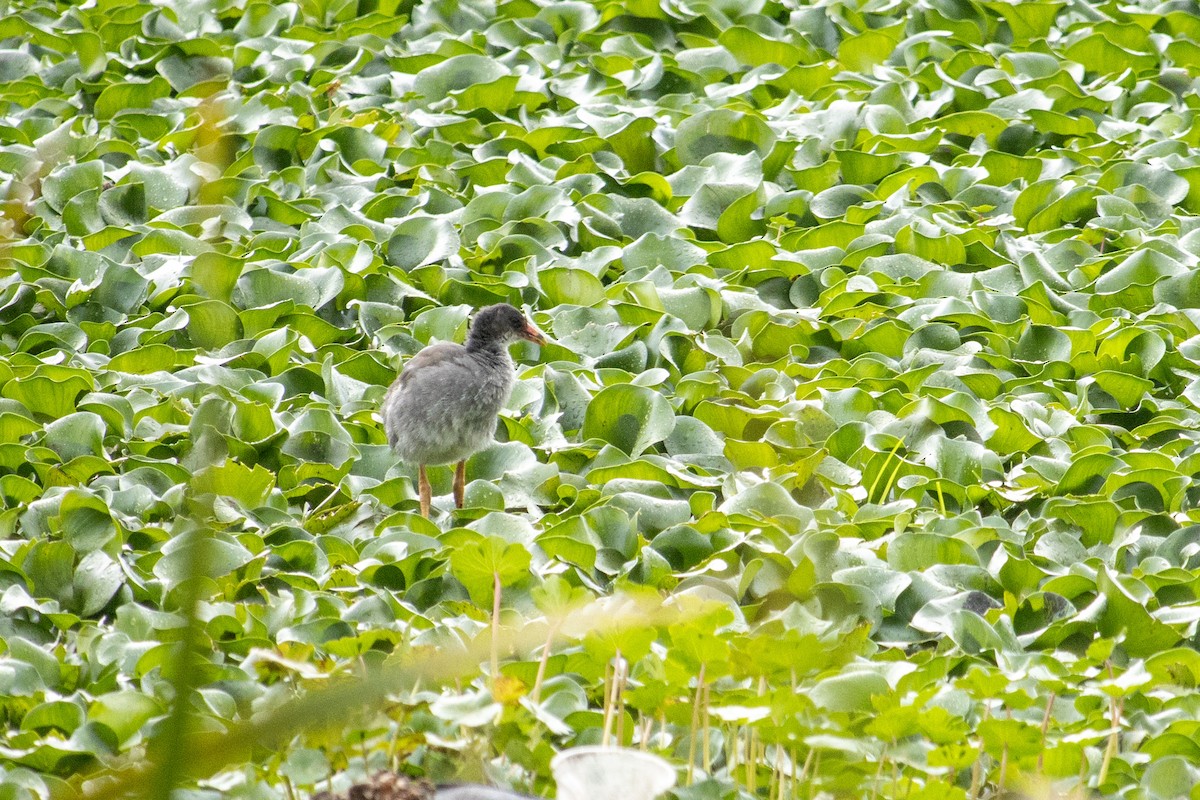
(882, 470)
(878, 774)
(731, 756)
(887, 489)
(614, 700)
(751, 768)
(1003, 770)
(692, 741)
(495, 644)
(623, 680)
(606, 725)
(977, 767)
(1110, 751)
(794, 788)
(1045, 731)
(536, 695)
(773, 782)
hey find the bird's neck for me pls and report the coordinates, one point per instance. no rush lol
(487, 347)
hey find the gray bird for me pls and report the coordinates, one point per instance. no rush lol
(444, 405)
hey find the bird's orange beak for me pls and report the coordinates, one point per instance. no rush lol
(533, 334)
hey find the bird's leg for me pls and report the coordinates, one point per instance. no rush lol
(426, 491)
(460, 483)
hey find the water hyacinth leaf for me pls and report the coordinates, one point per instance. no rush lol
(145, 360)
(49, 390)
(123, 96)
(722, 131)
(755, 49)
(419, 241)
(633, 418)
(50, 567)
(708, 207)
(1144, 635)
(1027, 20)
(186, 72)
(250, 486)
(1042, 343)
(930, 244)
(570, 543)
(973, 123)
(571, 286)
(200, 554)
(357, 144)
(213, 324)
(863, 51)
(871, 365)
(575, 17)
(1164, 183)
(767, 500)
(456, 73)
(97, 578)
(15, 64)
(1128, 390)
(87, 523)
(1101, 55)
(275, 147)
(911, 552)
(81, 433)
(1144, 268)
(852, 691)
(309, 287)
(124, 712)
(64, 184)
(54, 715)
(833, 203)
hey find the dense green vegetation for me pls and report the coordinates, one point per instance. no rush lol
(862, 461)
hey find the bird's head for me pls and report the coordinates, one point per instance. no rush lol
(503, 324)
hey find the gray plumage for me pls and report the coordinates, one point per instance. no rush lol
(444, 405)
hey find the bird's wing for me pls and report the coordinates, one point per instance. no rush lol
(426, 363)
(428, 360)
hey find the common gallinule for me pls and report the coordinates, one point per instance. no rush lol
(443, 407)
